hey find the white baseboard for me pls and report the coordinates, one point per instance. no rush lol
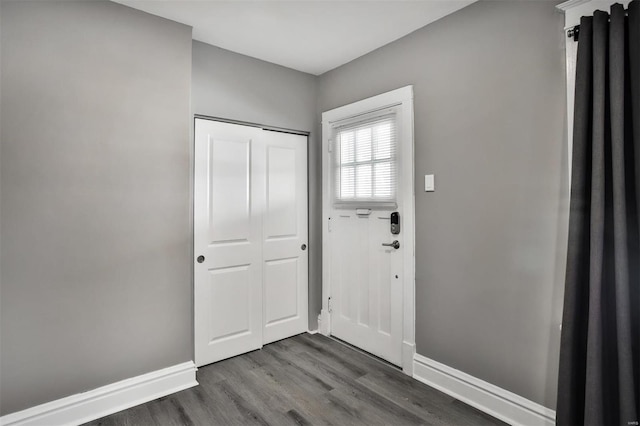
(100, 402)
(312, 331)
(493, 400)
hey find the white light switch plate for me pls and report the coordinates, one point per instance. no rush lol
(429, 183)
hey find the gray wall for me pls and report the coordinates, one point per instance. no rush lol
(490, 244)
(95, 154)
(233, 86)
(95, 233)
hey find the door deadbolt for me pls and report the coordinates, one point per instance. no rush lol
(200, 259)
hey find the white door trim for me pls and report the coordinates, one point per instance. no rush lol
(402, 97)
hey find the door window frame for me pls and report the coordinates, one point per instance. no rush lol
(403, 99)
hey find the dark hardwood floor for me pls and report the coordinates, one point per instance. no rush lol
(303, 380)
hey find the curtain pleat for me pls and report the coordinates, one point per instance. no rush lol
(599, 356)
(632, 154)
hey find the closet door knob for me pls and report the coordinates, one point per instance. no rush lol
(200, 259)
(303, 247)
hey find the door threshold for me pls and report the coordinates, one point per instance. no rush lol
(365, 353)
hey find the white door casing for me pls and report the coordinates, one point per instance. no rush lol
(251, 287)
(376, 314)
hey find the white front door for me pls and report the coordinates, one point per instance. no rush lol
(368, 265)
(250, 221)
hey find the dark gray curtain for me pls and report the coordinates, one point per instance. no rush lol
(599, 377)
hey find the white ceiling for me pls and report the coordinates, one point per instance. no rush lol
(310, 36)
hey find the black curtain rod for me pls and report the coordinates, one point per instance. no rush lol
(575, 31)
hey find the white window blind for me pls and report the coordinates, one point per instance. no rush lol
(366, 162)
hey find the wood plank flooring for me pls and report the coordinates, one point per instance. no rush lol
(303, 380)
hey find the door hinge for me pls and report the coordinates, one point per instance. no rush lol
(329, 305)
(330, 145)
(329, 225)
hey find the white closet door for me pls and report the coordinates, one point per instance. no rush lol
(227, 241)
(285, 235)
(250, 237)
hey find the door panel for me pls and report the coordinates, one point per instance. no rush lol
(282, 208)
(230, 174)
(285, 232)
(280, 290)
(228, 286)
(230, 295)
